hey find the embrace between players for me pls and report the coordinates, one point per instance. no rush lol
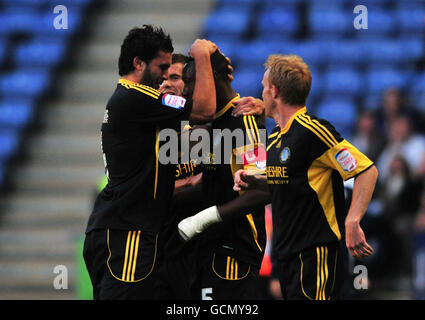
(160, 233)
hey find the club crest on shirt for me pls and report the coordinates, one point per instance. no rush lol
(284, 155)
(173, 101)
(346, 160)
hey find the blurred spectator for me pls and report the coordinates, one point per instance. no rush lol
(367, 138)
(394, 104)
(419, 223)
(418, 258)
(402, 141)
(399, 191)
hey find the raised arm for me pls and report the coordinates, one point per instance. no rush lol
(204, 97)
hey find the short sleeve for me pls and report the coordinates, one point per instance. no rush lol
(147, 105)
(346, 159)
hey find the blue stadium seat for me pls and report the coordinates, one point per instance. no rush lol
(34, 3)
(16, 114)
(380, 22)
(344, 52)
(247, 81)
(226, 46)
(417, 91)
(325, 5)
(370, 4)
(69, 3)
(411, 20)
(3, 48)
(270, 125)
(220, 4)
(340, 112)
(2, 174)
(282, 2)
(40, 52)
(230, 23)
(278, 23)
(413, 49)
(336, 23)
(256, 52)
(379, 80)
(383, 51)
(9, 143)
(372, 101)
(12, 21)
(317, 86)
(24, 84)
(312, 52)
(43, 3)
(25, 3)
(343, 81)
(35, 23)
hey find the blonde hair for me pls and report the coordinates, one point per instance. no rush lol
(291, 76)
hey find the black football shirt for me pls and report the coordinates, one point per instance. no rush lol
(140, 188)
(307, 162)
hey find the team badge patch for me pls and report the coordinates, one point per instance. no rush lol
(173, 101)
(346, 160)
(284, 155)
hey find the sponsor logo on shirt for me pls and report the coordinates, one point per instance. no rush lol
(346, 160)
(173, 101)
(257, 156)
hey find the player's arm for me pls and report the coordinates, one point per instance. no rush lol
(364, 185)
(204, 103)
(196, 224)
(249, 200)
(253, 158)
(186, 183)
(248, 106)
(244, 180)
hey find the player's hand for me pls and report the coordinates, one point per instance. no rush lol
(356, 241)
(202, 46)
(195, 180)
(243, 180)
(230, 68)
(248, 106)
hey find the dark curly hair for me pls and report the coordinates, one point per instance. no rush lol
(144, 43)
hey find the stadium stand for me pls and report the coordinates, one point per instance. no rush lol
(41, 69)
(32, 53)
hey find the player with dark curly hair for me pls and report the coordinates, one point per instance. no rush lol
(121, 245)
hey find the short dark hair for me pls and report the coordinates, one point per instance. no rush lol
(219, 65)
(179, 58)
(144, 43)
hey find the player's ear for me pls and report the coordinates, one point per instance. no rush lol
(274, 91)
(139, 64)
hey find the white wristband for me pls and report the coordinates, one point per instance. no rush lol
(191, 226)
